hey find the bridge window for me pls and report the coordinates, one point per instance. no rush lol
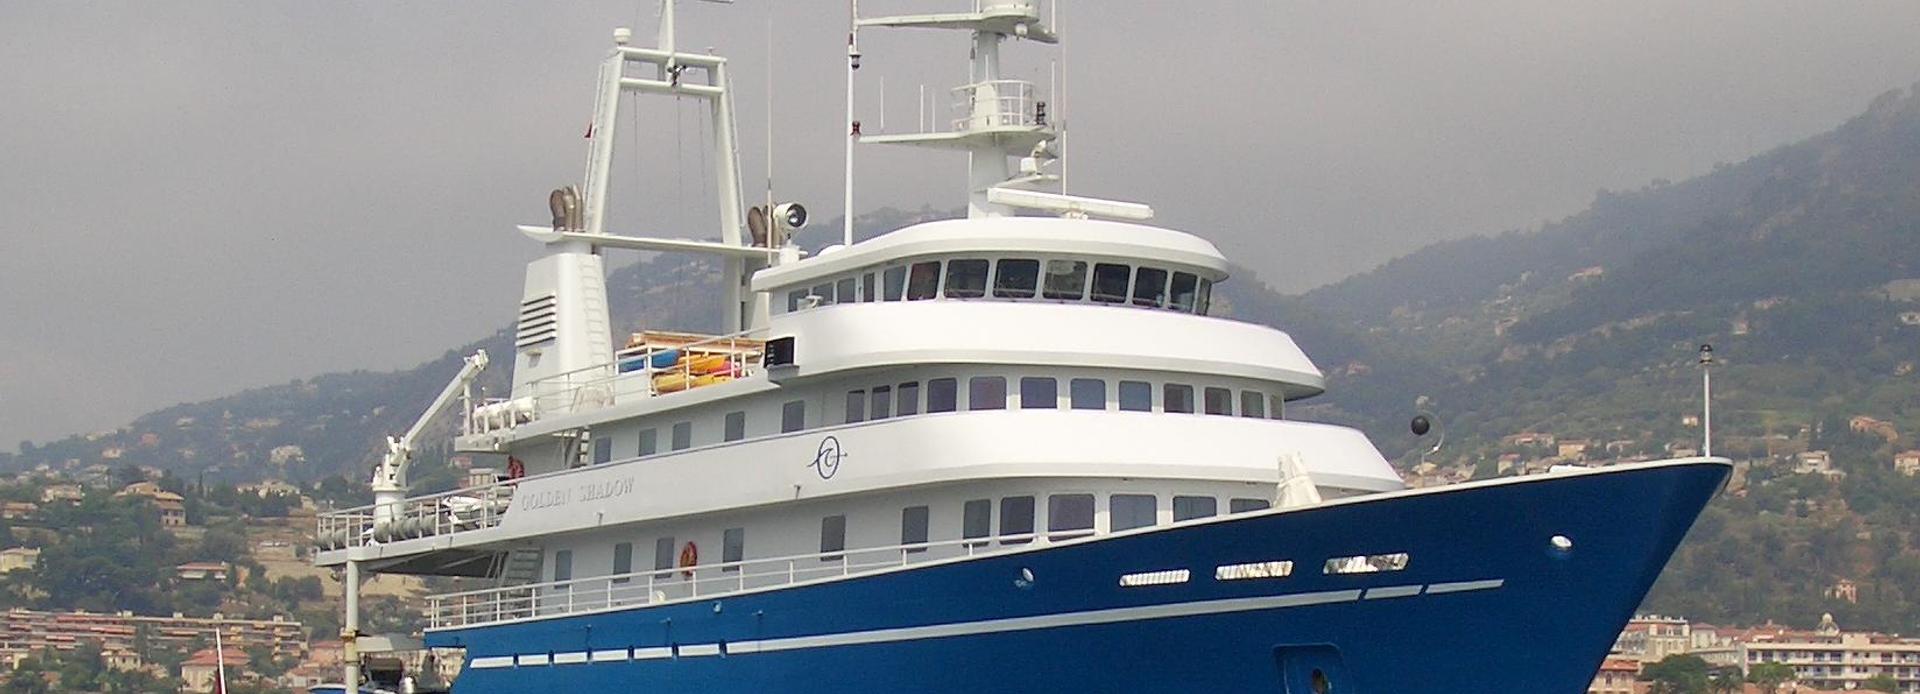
(893, 281)
(1177, 397)
(649, 441)
(1088, 393)
(825, 292)
(913, 527)
(663, 556)
(1191, 507)
(966, 278)
(733, 548)
(1016, 520)
(563, 565)
(907, 398)
(833, 537)
(1150, 287)
(796, 299)
(1016, 278)
(1219, 401)
(976, 520)
(1248, 505)
(793, 416)
(1136, 396)
(856, 406)
(987, 393)
(1253, 403)
(1066, 280)
(735, 426)
(1278, 406)
(1069, 516)
(622, 561)
(943, 395)
(846, 291)
(1110, 283)
(1129, 511)
(869, 287)
(1181, 296)
(1038, 393)
(882, 405)
(682, 436)
(602, 449)
(1204, 302)
(923, 281)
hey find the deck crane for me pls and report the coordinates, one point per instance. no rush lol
(390, 476)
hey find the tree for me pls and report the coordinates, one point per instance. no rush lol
(1770, 676)
(1724, 680)
(1677, 674)
(1881, 683)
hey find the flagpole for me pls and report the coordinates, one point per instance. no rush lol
(220, 660)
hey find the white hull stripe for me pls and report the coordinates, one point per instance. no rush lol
(994, 626)
(609, 656)
(574, 658)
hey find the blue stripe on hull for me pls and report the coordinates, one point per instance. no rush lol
(1497, 609)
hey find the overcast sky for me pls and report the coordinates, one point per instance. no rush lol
(198, 197)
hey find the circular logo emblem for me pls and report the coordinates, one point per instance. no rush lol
(826, 461)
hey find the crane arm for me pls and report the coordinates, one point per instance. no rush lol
(391, 475)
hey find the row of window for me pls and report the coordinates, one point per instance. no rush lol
(1058, 279)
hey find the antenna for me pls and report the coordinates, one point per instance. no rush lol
(769, 78)
(1706, 399)
(853, 126)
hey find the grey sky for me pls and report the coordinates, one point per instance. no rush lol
(201, 197)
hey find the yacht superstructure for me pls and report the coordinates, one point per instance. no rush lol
(1002, 452)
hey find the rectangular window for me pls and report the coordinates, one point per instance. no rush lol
(664, 555)
(1069, 516)
(1246, 505)
(833, 537)
(869, 287)
(1205, 300)
(1088, 393)
(976, 520)
(908, 399)
(1218, 401)
(923, 281)
(649, 441)
(856, 406)
(793, 416)
(1253, 404)
(893, 281)
(796, 299)
(1276, 406)
(733, 548)
(943, 395)
(1129, 511)
(1110, 283)
(602, 449)
(1177, 398)
(1150, 287)
(847, 292)
(1016, 520)
(1039, 393)
(1016, 278)
(1191, 507)
(563, 565)
(1136, 396)
(736, 426)
(987, 393)
(913, 527)
(1066, 280)
(966, 279)
(622, 561)
(825, 292)
(1181, 295)
(882, 403)
(683, 436)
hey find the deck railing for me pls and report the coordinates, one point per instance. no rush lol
(1013, 105)
(556, 598)
(474, 508)
(632, 374)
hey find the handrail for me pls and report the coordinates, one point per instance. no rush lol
(567, 391)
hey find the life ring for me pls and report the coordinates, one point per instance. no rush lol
(515, 468)
(689, 557)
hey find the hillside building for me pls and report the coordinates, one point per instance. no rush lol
(1832, 659)
(14, 510)
(1616, 676)
(1816, 463)
(28, 632)
(1862, 424)
(69, 493)
(18, 559)
(201, 673)
(1907, 463)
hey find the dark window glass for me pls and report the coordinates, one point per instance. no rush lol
(966, 279)
(987, 393)
(1218, 401)
(793, 416)
(913, 527)
(825, 292)
(1129, 511)
(976, 520)
(733, 547)
(845, 292)
(1245, 505)
(602, 449)
(563, 565)
(894, 281)
(869, 287)
(1276, 406)
(1150, 287)
(1136, 396)
(649, 441)
(736, 426)
(622, 561)
(1037, 393)
(1181, 296)
(1016, 278)
(1016, 519)
(1191, 507)
(1066, 279)
(1177, 398)
(664, 554)
(1069, 516)
(943, 395)
(1204, 303)
(833, 537)
(1088, 393)
(796, 299)
(856, 406)
(923, 282)
(1253, 403)
(682, 436)
(882, 404)
(908, 400)
(1110, 283)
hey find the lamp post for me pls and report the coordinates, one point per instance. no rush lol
(1706, 399)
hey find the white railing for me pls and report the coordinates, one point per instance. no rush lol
(460, 510)
(556, 598)
(1008, 104)
(632, 374)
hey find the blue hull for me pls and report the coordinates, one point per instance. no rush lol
(1486, 603)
